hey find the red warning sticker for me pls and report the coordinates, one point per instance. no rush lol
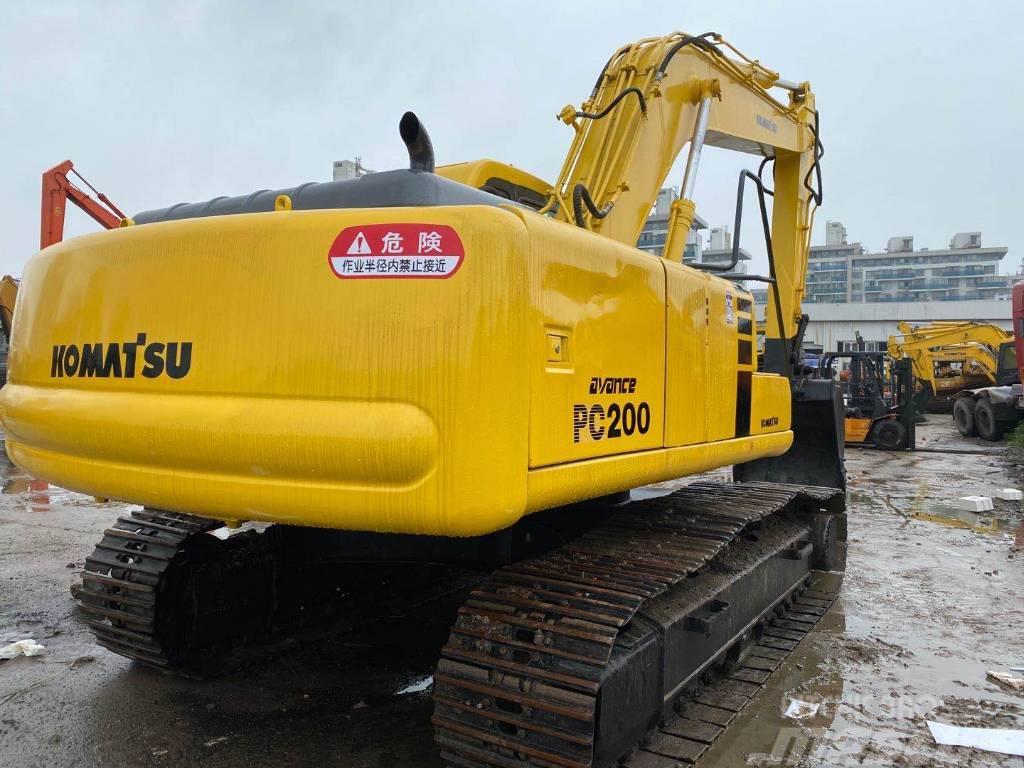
(396, 251)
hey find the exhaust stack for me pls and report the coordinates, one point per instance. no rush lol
(421, 151)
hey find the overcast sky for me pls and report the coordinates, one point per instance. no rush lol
(162, 102)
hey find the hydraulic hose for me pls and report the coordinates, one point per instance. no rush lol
(581, 197)
(819, 152)
(760, 170)
(700, 41)
(616, 100)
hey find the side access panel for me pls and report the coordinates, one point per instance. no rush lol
(686, 355)
(597, 346)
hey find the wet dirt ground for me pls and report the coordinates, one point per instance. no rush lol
(933, 599)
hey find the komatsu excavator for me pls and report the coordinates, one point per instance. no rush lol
(416, 366)
(950, 357)
(996, 405)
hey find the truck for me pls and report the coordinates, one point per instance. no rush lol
(991, 412)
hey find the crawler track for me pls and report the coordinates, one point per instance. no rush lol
(123, 581)
(550, 661)
(634, 643)
(161, 590)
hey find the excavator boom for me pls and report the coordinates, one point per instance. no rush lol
(659, 94)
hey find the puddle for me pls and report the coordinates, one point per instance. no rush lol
(1005, 518)
(765, 735)
(33, 495)
(959, 518)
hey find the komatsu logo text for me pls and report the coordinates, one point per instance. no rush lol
(612, 386)
(768, 125)
(771, 421)
(122, 360)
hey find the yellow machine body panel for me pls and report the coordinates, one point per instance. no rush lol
(499, 178)
(857, 429)
(222, 366)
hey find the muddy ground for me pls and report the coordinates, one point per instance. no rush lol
(934, 598)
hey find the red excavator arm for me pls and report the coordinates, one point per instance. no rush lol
(57, 189)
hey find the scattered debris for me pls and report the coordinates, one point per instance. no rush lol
(27, 647)
(1002, 740)
(975, 503)
(801, 710)
(1006, 680)
(70, 565)
(360, 705)
(1009, 494)
(215, 742)
(159, 752)
(417, 686)
(81, 660)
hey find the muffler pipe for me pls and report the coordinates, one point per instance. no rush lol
(421, 151)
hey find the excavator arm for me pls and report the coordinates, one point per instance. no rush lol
(941, 334)
(651, 99)
(57, 190)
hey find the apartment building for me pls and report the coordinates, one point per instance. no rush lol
(840, 272)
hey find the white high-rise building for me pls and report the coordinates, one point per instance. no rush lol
(721, 239)
(835, 233)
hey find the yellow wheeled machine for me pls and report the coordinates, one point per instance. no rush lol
(421, 365)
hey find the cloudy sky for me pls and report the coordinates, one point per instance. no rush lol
(161, 102)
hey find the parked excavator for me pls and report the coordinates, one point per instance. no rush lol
(949, 357)
(466, 376)
(8, 297)
(57, 191)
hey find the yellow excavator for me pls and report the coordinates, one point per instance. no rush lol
(950, 357)
(466, 365)
(8, 298)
